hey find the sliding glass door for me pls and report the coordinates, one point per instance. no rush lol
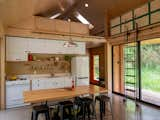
(150, 71)
(138, 71)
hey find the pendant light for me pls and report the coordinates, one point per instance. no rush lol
(70, 42)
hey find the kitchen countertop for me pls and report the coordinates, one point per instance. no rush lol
(34, 76)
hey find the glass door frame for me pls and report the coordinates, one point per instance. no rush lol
(139, 75)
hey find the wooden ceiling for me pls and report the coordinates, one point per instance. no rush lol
(13, 11)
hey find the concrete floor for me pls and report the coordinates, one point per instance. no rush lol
(121, 111)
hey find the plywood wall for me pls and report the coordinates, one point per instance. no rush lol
(2, 67)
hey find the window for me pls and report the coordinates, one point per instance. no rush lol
(150, 71)
(96, 67)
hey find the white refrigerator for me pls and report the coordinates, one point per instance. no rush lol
(80, 70)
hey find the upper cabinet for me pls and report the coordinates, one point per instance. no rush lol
(17, 48)
(36, 45)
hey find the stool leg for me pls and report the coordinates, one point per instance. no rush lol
(32, 116)
(61, 113)
(47, 116)
(101, 110)
(94, 110)
(84, 111)
(111, 109)
(89, 112)
(104, 107)
(36, 116)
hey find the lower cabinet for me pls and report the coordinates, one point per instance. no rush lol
(51, 83)
(14, 93)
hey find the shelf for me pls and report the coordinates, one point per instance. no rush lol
(130, 68)
(130, 90)
(130, 75)
(131, 83)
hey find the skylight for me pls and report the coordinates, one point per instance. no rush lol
(55, 16)
(83, 20)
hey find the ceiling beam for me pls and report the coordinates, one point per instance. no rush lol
(69, 11)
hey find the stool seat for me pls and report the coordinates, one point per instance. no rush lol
(41, 108)
(66, 103)
(102, 98)
(63, 106)
(87, 107)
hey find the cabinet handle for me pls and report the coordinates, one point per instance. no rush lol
(18, 59)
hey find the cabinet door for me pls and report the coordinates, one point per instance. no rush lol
(51, 46)
(60, 82)
(36, 46)
(48, 83)
(16, 49)
(81, 49)
(35, 84)
(43, 84)
(67, 82)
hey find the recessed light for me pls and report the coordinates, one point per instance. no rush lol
(86, 4)
(69, 20)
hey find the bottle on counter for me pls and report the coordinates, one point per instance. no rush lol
(30, 57)
(73, 84)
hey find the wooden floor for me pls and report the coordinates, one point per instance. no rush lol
(122, 111)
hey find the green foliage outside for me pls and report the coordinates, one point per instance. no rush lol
(96, 67)
(150, 66)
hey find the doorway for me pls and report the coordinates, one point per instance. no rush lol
(97, 62)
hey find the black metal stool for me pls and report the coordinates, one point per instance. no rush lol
(41, 109)
(66, 105)
(102, 104)
(86, 105)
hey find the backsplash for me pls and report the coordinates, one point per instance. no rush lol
(44, 64)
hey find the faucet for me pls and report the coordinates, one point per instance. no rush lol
(52, 74)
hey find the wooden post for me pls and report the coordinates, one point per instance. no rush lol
(108, 55)
(2, 68)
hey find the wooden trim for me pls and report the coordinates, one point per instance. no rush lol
(53, 36)
(108, 62)
(2, 71)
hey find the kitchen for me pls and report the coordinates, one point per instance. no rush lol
(49, 66)
(39, 62)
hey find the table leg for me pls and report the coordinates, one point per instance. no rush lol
(61, 112)
(101, 110)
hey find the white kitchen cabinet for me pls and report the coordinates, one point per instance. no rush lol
(14, 93)
(52, 46)
(16, 49)
(48, 83)
(59, 82)
(35, 84)
(68, 82)
(36, 46)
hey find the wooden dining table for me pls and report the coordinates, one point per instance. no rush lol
(37, 96)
